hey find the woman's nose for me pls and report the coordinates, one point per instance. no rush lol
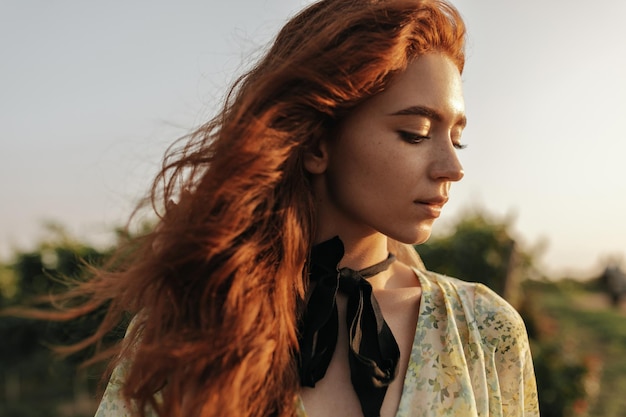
(446, 165)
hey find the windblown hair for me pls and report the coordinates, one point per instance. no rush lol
(216, 290)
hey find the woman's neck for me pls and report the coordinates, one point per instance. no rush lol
(362, 252)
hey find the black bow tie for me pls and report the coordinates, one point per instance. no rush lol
(374, 353)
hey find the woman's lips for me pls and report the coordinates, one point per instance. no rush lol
(432, 206)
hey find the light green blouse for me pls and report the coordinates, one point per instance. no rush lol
(470, 357)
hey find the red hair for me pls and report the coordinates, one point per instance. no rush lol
(217, 287)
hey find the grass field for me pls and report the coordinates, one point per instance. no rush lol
(578, 320)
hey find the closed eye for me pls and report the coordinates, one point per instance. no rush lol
(412, 138)
(456, 138)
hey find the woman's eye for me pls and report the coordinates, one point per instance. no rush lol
(412, 138)
(456, 139)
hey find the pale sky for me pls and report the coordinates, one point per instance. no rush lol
(91, 94)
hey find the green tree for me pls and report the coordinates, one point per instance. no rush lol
(33, 381)
(480, 249)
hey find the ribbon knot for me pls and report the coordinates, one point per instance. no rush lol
(373, 351)
(349, 281)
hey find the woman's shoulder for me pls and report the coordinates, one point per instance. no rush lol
(482, 306)
(450, 286)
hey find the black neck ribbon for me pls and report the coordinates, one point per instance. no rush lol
(373, 354)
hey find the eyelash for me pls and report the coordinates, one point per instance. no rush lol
(412, 138)
(415, 139)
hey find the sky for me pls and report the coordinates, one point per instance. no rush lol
(92, 93)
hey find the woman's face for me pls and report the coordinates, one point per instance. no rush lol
(390, 167)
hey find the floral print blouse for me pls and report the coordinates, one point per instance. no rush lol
(470, 357)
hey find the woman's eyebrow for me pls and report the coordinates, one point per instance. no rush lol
(427, 112)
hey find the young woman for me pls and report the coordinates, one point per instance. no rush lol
(282, 278)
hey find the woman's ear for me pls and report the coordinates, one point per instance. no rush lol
(316, 158)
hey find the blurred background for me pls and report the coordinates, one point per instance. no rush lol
(91, 95)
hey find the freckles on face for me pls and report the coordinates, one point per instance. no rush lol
(392, 162)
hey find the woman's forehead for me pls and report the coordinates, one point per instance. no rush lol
(430, 86)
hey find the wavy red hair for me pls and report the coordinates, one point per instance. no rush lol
(217, 288)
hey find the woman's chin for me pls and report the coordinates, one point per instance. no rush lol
(417, 238)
